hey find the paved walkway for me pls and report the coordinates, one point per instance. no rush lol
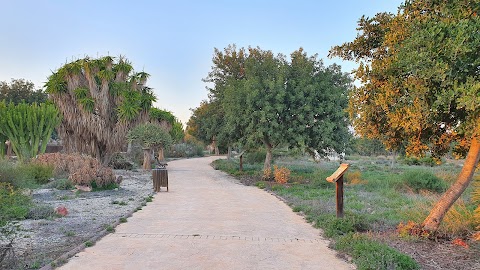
(208, 221)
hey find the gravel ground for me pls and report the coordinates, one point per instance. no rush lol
(89, 213)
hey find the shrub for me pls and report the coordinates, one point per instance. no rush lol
(281, 174)
(15, 175)
(334, 227)
(14, 205)
(185, 150)
(62, 184)
(81, 170)
(423, 180)
(42, 173)
(459, 221)
(370, 254)
(425, 161)
(354, 177)
(41, 212)
(255, 157)
(120, 162)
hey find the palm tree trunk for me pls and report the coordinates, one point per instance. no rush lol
(432, 222)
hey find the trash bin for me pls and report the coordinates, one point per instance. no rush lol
(160, 179)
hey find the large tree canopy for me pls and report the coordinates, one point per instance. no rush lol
(100, 99)
(420, 74)
(259, 98)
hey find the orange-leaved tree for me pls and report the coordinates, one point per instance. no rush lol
(420, 84)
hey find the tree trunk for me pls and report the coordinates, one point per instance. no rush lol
(432, 222)
(214, 145)
(268, 158)
(147, 159)
(241, 162)
(229, 154)
(161, 154)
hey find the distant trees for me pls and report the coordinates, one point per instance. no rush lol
(420, 84)
(100, 99)
(259, 98)
(21, 90)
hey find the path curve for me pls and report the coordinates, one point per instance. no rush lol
(208, 220)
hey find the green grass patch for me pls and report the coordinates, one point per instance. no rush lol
(368, 254)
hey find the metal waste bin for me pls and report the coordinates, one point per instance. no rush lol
(160, 179)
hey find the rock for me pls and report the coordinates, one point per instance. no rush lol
(61, 211)
(83, 188)
(118, 180)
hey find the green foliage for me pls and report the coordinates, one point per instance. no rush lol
(14, 205)
(162, 115)
(61, 184)
(19, 91)
(108, 186)
(16, 175)
(185, 150)
(425, 161)
(334, 227)
(150, 135)
(420, 76)
(261, 99)
(41, 173)
(423, 180)
(253, 157)
(39, 211)
(177, 133)
(28, 127)
(367, 147)
(370, 255)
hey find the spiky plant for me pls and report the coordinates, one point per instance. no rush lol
(100, 99)
(28, 127)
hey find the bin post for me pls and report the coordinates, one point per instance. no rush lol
(337, 178)
(160, 179)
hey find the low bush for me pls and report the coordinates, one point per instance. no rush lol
(81, 170)
(369, 254)
(14, 205)
(42, 173)
(334, 227)
(255, 156)
(40, 211)
(423, 180)
(61, 183)
(281, 174)
(120, 162)
(425, 161)
(185, 150)
(13, 174)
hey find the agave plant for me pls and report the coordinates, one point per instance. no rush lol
(100, 99)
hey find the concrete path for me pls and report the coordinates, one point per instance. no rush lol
(208, 221)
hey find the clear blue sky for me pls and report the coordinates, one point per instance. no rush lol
(171, 40)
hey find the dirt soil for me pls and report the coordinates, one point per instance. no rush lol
(89, 214)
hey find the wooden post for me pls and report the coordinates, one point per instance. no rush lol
(337, 178)
(339, 193)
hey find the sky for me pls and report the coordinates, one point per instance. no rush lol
(172, 40)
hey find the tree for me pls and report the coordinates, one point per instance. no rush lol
(420, 84)
(20, 90)
(206, 123)
(168, 121)
(149, 136)
(263, 99)
(28, 127)
(100, 99)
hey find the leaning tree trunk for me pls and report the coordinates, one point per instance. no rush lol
(432, 222)
(147, 159)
